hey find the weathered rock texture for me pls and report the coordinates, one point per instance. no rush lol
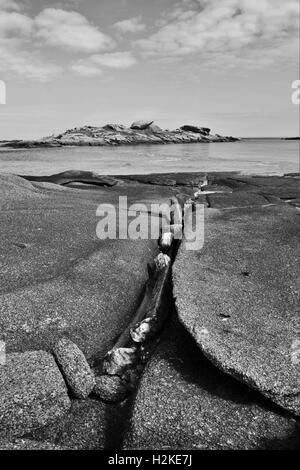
(140, 132)
(75, 176)
(198, 130)
(89, 425)
(184, 402)
(110, 388)
(75, 368)
(239, 295)
(57, 279)
(32, 393)
(242, 288)
(28, 444)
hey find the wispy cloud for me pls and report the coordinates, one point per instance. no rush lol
(93, 65)
(85, 68)
(218, 34)
(212, 29)
(71, 30)
(15, 31)
(21, 63)
(20, 33)
(131, 25)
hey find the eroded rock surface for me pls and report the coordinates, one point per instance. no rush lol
(184, 402)
(239, 295)
(74, 367)
(28, 444)
(32, 393)
(140, 132)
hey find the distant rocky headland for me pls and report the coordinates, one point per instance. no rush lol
(140, 132)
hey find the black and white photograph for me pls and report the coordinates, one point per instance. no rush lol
(149, 229)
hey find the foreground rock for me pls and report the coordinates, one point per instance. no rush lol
(57, 278)
(239, 295)
(75, 368)
(184, 402)
(32, 393)
(75, 176)
(140, 132)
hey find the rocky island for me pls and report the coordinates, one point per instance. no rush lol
(140, 132)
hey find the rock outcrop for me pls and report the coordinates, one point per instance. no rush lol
(140, 132)
(235, 315)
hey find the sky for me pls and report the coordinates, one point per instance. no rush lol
(224, 64)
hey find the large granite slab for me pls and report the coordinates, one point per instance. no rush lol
(239, 296)
(184, 402)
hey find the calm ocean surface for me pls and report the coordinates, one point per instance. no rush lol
(253, 156)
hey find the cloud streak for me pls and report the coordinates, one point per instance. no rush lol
(221, 27)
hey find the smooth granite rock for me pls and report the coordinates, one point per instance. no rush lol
(32, 393)
(239, 296)
(75, 368)
(184, 402)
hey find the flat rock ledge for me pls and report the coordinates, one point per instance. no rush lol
(33, 393)
(75, 368)
(238, 296)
